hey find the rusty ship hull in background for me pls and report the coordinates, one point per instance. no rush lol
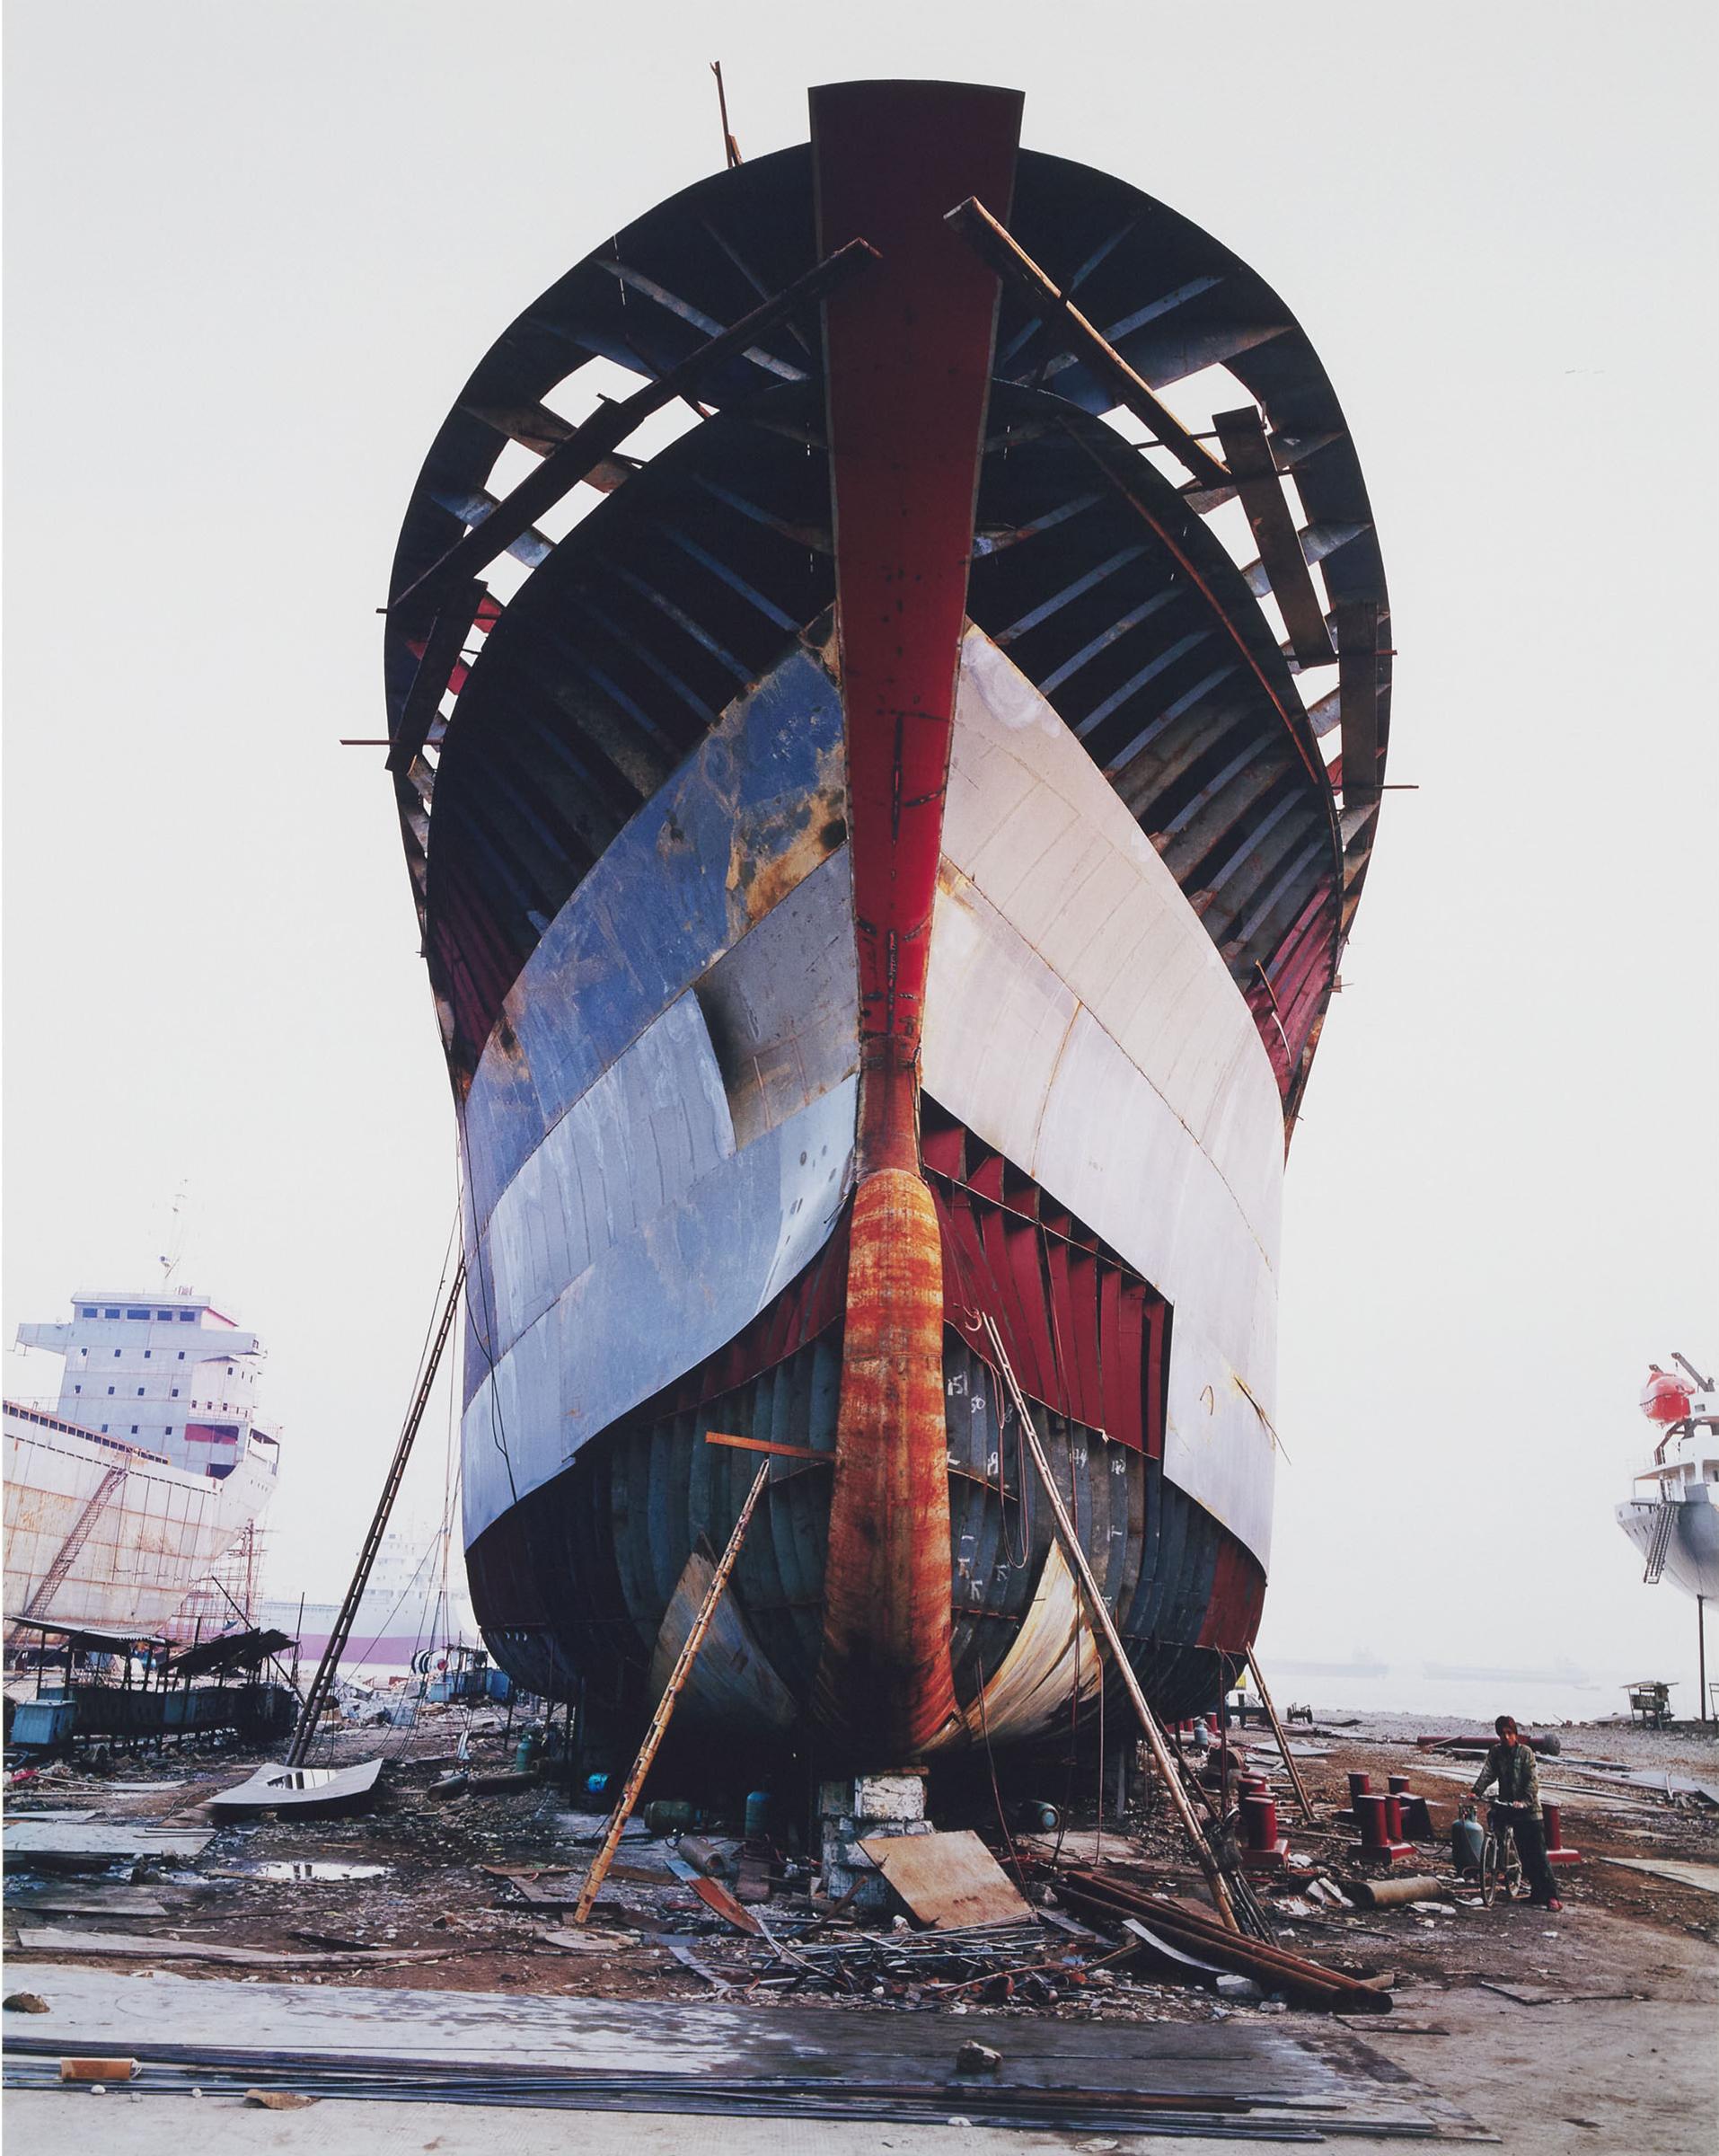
(882, 867)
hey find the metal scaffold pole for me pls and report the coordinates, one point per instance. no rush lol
(322, 1682)
(1106, 1625)
(1299, 1787)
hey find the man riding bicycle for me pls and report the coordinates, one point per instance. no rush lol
(1512, 1764)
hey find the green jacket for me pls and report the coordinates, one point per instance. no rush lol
(1515, 1769)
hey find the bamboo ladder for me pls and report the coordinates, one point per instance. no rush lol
(677, 1684)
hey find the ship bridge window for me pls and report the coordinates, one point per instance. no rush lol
(116, 1355)
(166, 1316)
(187, 1317)
(110, 1313)
(86, 1313)
(169, 1430)
(181, 1355)
(144, 1314)
(110, 1388)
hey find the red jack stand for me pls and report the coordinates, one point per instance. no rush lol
(1382, 1834)
(1264, 1850)
(1552, 1816)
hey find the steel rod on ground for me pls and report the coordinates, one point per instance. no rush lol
(660, 1721)
(1105, 1623)
(322, 1682)
(1282, 1742)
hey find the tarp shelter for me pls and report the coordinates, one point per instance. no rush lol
(233, 1650)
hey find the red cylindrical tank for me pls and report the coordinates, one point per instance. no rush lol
(1259, 1822)
(1665, 1397)
(1358, 1785)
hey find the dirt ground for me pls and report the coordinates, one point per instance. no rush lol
(1503, 1992)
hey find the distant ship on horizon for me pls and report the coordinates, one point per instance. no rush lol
(407, 1606)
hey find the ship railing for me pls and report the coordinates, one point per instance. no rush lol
(75, 1429)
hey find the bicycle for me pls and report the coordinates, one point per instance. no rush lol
(1501, 1861)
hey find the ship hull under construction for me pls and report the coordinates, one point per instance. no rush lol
(100, 1536)
(882, 883)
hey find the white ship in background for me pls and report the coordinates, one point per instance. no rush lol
(1672, 1515)
(122, 1495)
(412, 1603)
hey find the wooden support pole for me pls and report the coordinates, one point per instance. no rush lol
(1106, 1625)
(1282, 1742)
(660, 1721)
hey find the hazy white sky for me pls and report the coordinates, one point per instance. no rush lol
(253, 248)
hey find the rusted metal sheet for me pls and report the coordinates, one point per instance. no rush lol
(1053, 1658)
(1249, 458)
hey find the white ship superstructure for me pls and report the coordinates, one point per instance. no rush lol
(123, 1492)
(1672, 1513)
(169, 1373)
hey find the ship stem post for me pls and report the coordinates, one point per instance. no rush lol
(908, 357)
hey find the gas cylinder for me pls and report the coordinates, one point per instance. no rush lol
(1466, 1843)
(757, 1814)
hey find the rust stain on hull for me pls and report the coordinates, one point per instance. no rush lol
(884, 1690)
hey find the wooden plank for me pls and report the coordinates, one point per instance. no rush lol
(948, 1879)
(1251, 466)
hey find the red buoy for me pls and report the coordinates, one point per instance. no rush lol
(1665, 1397)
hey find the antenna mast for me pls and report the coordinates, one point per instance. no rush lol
(731, 148)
